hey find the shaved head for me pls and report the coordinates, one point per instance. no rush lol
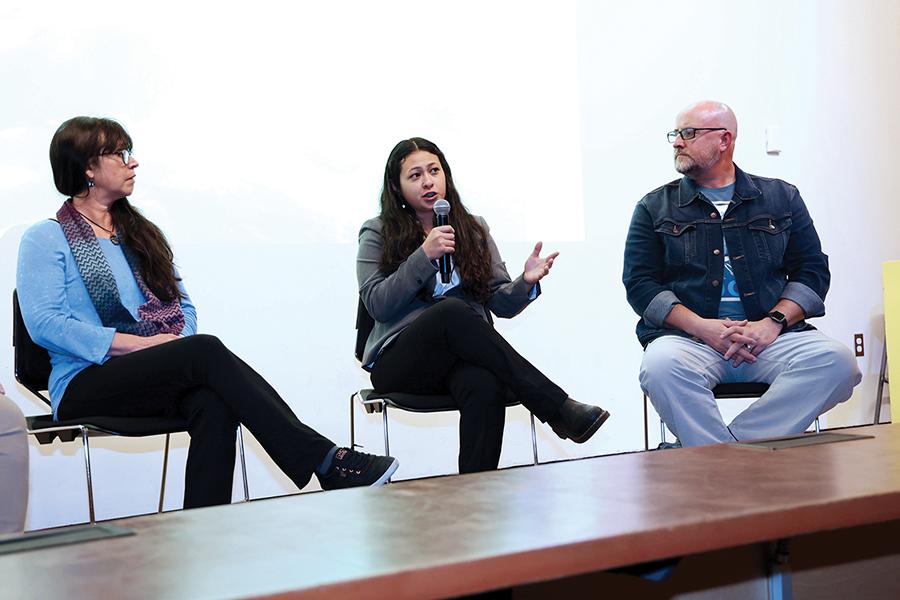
(708, 113)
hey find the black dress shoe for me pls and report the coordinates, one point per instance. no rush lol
(577, 421)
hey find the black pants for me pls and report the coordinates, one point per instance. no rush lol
(449, 348)
(198, 378)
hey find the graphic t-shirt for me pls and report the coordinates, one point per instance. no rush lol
(730, 305)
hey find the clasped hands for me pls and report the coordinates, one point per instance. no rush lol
(739, 341)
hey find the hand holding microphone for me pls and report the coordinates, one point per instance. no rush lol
(440, 243)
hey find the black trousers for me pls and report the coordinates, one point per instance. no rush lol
(198, 378)
(449, 348)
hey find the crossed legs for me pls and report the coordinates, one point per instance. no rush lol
(450, 349)
(200, 379)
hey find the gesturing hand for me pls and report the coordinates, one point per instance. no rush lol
(440, 241)
(536, 267)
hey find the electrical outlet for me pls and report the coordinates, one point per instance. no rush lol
(858, 344)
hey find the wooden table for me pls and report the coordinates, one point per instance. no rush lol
(464, 534)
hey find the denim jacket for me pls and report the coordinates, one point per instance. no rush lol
(673, 253)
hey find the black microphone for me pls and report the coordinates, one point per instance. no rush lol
(442, 217)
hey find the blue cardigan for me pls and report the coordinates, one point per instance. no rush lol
(58, 311)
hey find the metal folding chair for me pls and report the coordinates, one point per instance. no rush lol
(32, 371)
(375, 402)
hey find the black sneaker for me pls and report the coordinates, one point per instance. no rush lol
(350, 468)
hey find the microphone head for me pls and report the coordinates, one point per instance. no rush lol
(441, 207)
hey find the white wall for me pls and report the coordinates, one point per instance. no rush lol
(823, 72)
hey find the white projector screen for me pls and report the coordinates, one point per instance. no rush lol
(270, 122)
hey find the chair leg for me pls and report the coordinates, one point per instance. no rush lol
(881, 379)
(162, 485)
(387, 446)
(534, 439)
(352, 425)
(240, 435)
(87, 473)
(646, 426)
(662, 431)
(817, 425)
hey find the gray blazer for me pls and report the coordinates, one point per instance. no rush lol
(394, 302)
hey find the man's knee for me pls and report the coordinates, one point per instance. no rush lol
(839, 363)
(662, 358)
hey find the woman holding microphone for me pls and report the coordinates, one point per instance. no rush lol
(436, 337)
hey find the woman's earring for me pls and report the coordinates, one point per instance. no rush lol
(403, 206)
(90, 183)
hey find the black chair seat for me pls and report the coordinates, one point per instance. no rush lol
(420, 403)
(740, 390)
(120, 426)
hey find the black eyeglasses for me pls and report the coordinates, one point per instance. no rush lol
(689, 133)
(126, 155)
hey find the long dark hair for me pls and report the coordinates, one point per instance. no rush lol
(75, 147)
(403, 232)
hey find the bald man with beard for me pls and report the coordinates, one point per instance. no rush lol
(724, 269)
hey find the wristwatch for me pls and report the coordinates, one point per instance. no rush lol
(779, 318)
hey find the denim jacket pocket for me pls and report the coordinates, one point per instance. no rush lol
(770, 236)
(679, 239)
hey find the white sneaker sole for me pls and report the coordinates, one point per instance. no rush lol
(386, 476)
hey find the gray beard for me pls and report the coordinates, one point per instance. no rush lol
(685, 164)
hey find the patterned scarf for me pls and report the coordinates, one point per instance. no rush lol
(155, 316)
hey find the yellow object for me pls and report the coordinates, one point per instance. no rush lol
(892, 326)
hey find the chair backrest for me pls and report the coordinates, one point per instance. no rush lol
(364, 325)
(32, 362)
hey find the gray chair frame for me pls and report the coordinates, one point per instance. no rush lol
(374, 402)
(723, 391)
(882, 379)
(32, 371)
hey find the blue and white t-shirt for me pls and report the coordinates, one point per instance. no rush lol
(730, 305)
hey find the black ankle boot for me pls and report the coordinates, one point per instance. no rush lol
(577, 421)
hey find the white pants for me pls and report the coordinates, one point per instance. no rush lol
(808, 374)
(13, 467)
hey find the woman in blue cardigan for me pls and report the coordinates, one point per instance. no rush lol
(99, 290)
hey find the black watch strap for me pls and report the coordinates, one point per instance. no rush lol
(779, 318)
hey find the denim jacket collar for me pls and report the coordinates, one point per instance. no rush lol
(744, 188)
